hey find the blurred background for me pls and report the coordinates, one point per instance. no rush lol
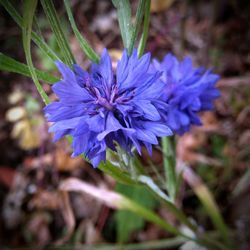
(216, 34)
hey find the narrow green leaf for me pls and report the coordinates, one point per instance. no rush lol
(169, 166)
(149, 183)
(39, 41)
(90, 53)
(52, 16)
(207, 199)
(118, 201)
(144, 36)
(124, 19)
(11, 65)
(28, 13)
(138, 20)
(116, 173)
(170, 243)
(126, 221)
(123, 177)
(149, 215)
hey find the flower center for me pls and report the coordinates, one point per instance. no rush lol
(103, 102)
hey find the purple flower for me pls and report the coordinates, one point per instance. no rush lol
(188, 90)
(103, 107)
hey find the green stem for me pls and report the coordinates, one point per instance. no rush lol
(130, 205)
(124, 18)
(138, 20)
(38, 40)
(144, 36)
(29, 11)
(157, 244)
(11, 65)
(90, 53)
(207, 199)
(57, 29)
(169, 166)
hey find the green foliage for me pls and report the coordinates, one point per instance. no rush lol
(136, 28)
(46, 63)
(144, 36)
(218, 145)
(126, 221)
(169, 166)
(124, 19)
(117, 173)
(11, 65)
(34, 36)
(28, 13)
(90, 53)
(57, 29)
(129, 32)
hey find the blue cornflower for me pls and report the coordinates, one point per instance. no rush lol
(103, 107)
(188, 90)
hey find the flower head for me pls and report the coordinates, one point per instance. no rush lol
(103, 107)
(188, 90)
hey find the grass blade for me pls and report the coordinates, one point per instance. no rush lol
(116, 173)
(206, 198)
(148, 182)
(38, 40)
(118, 201)
(144, 36)
(138, 20)
(124, 19)
(169, 166)
(28, 13)
(90, 53)
(11, 65)
(52, 16)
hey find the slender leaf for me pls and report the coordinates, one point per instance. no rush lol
(124, 178)
(118, 201)
(169, 166)
(144, 36)
(28, 13)
(11, 65)
(170, 243)
(39, 41)
(52, 16)
(90, 53)
(138, 20)
(124, 19)
(126, 221)
(207, 199)
(148, 182)
(149, 215)
(116, 173)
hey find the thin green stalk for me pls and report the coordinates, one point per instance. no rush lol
(55, 25)
(116, 173)
(148, 182)
(90, 53)
(11, 65)
(124, 178)
(207, 199)
(149, 215)
(39, 41)
(29, 11)
(169, 166)
(157, 244)
(144, 36)
(128, 204)
(136, 28)
(124, 19)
